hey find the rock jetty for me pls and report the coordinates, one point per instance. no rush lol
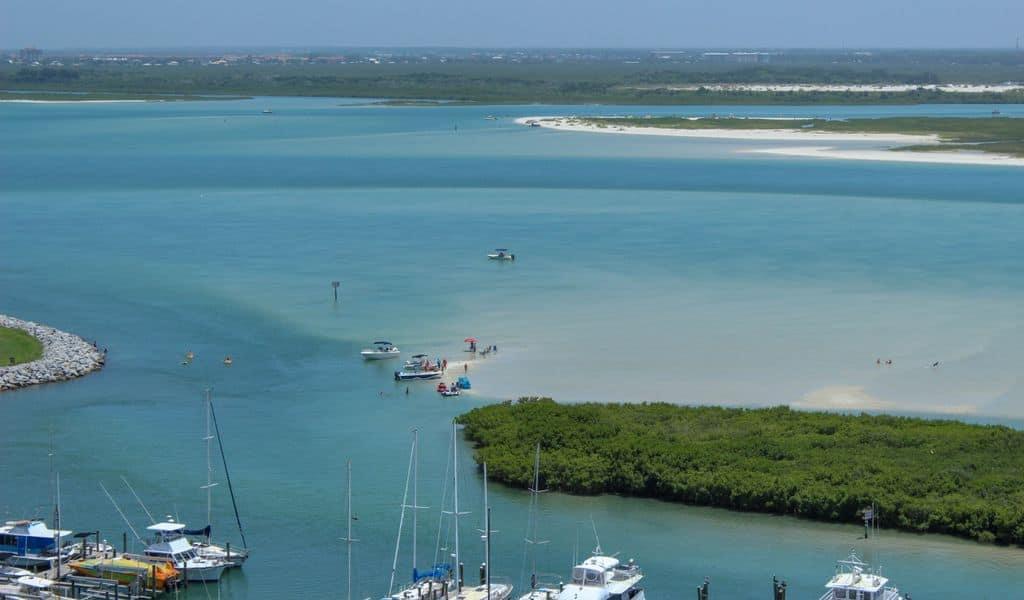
(65, 356)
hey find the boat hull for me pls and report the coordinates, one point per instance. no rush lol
(210, 573)
(417, 375)
(374, 355)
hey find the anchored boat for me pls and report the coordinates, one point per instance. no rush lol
(419, 367)
(381, 350)
(501, 254)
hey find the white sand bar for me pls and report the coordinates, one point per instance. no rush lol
(889, 140)
(952, 157)
(571, 124)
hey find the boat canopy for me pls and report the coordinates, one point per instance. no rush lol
(382, 343)
(501, 249)
(419, 356)
(205, 531)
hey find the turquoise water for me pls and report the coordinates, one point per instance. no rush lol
(668, 269)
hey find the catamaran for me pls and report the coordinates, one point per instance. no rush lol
(855, 580)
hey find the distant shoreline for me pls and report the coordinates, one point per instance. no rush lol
(890, 140)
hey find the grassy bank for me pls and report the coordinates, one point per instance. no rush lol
(18, 344)
(923, 475)
(1001, 135)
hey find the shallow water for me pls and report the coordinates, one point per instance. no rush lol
(646, 268)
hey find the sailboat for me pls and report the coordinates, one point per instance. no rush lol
(234, 557)
(489, 589)
(426, 585)
(538, 591)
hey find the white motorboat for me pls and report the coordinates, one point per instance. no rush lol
(172, 545)
(381, 350)
(418, 368)
(854, 578)
(501, 254)
(603, 578)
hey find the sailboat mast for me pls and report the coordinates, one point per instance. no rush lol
(455, 514)
(209, 464)
(227, 475)
(415, 493)
(56, 533)
(534, 509)
(487, 538)
(401, 519)
(348, 535)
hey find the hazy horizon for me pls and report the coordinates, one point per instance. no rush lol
(942, 24)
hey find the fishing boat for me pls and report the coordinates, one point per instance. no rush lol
(30, 544)
(267, 111)
(158, 574)
(854, 579)
(418, 367)
(381, 350)
(172, 545)
(501, 254)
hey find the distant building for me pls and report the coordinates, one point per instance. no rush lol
(738, 57)
(30, 54)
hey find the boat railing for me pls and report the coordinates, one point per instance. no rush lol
(827, 596)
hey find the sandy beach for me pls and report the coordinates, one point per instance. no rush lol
(571, 124)
(953, 157)
(884, 152)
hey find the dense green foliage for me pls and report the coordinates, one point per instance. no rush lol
(18, 344)
(608, 83)
(1003, 135)
(923, 475)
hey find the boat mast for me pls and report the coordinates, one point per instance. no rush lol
(401, 519)
(415, 493)
(455, 507)
(56, 533)
(227, 475)
(532, 526)
(209, 466)
(348, 536)
(487, 538)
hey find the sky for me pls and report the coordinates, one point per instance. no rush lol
(526, 23)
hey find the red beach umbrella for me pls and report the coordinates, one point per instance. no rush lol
(470, 340)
